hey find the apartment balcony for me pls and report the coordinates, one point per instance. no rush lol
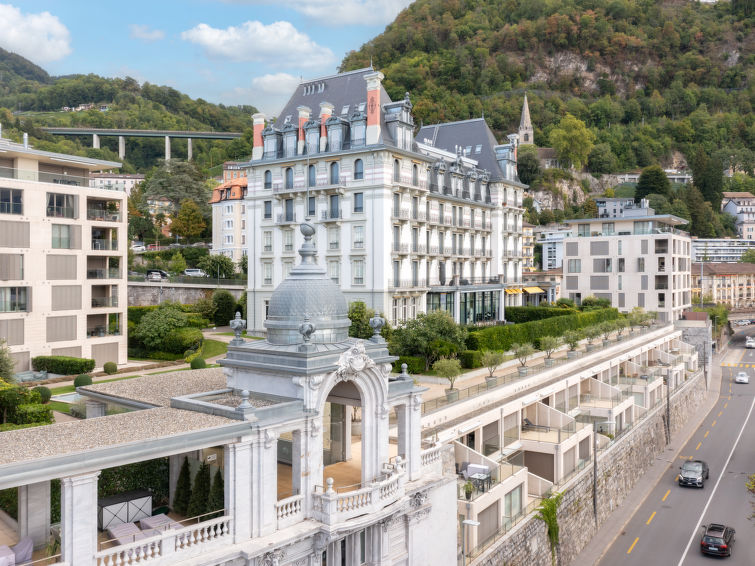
(433, 218)
(357, 245)
(104, 244)
(332, 215)
(37, 176)
(401, 249)
(104, 302)
(395, 283)
(419, 249)
(401, 214)
(283, 219)
(111, 273)
(334, 246)
(267, 249)
(419, 216)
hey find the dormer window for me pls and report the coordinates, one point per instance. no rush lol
(345, 110)
(362, 106)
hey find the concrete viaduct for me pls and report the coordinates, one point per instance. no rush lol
(122, 134)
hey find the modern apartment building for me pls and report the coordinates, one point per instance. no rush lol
(622, 207)
(632, 262)
(720, 250)
(551, 239)
(405, 224)
(229, 213)
(741, 205)
(62, 258)
(731, 284)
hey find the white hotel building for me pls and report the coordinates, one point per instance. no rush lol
(62, 258)
(405, 224)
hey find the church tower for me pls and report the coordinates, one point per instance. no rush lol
(526, 133)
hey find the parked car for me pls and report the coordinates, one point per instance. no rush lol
(175, 245)
(717, 539)
(138, 249)
(156, 275)
(742, 377)
(194, 272)
(693, 473)
(750, 342)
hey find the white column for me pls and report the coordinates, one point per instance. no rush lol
(188, 149)
(238, 488)
(95, 409)
(78, 518)
(167, 148)
(34, 512)
(121, 147)
(95, 141)
(264, 471)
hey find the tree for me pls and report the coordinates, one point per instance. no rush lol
(177, 263)
(708, 177)
(160, 220)
(590, 208)
(188, 223)
(748, 256)
(550, 344)
(244, 264)
(225, 307)
(6, 362)
(423, 335)
(602, 160)
(156, 325)
(217, 494)
(200, 492)
(527, 164)
(449, 369)
(652, 180)
(217, 265)
(178, 180)
(572, 141)
(182, 495)
(573, 338)
(491, 359)
(522, 352)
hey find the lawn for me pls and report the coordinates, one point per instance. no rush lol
(243, 334)
(59, 406)
(212, 348)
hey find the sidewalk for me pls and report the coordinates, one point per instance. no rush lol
(614, 525)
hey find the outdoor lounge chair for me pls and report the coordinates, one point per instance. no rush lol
(527, 424)
(126, 533)
(23, 550)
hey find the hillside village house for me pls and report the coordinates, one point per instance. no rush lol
(741, 205)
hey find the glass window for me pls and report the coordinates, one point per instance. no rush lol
(334, 173)
(11, 201)
(396, 171)
(334, 271)
(287, 267)
(608, 228)
(288, 240)
(268, 209)
(415, 175)
(575, 266)
(267, 241)
(268, 179)
(333, 238)
(358, 202)
(289, 178)
(61, 206)
(357, 237)
(61, 236)
(358, 170)
(640, 264)
(357, 271)
(583, 230)
(311, 208)
(312, 176)
(13, 299)
(267, 273)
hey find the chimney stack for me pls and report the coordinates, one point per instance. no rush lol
(257, 146)
(374, 109)
(326, 111)
(26, 140)
(304, 114)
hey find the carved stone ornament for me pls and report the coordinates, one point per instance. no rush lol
(382, 411)
(270, 437)
(419, 515)
(353, 361)
(314, 429)
(272, 558)
(392, 521)
(320, 542)
(418, 499)
(315, 381)
(417, 402)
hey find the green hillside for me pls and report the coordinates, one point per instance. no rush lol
(648, 77)
(30, 99)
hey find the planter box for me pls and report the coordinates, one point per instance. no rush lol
(549, 362)
(571, 354)
(606, 343)
(590, 348)
(452, 395)
(491, 381)
(523, 370)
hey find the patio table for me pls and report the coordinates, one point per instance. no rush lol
(7, 558)
(160, 522)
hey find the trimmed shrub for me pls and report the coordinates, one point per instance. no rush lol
(44, 393)
(198, 363)
(82, 380)
(110, 368)
(63, 365)
(33, 413)
(415, 364)
(135, 314)
(182, 495)
(179, 340)
(225, 307)
(518, 315)
(217, 495)
(503, 337)
(196, 321)
(471, 359)
(200, 492)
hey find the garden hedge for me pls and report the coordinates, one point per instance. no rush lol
(519, 315)
(63, 365)
(181, 339)
(415, 364)
(471, 359)
(33, 413)
(502, 337)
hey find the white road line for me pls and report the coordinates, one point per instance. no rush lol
(696, 531)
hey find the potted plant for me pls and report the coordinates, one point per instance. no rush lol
(522, 352)
(621, 325)
(572, 338)
(468, 489)
(491, 360)
(449, 369)
(592, 333)
(606, 328)
(550, 344)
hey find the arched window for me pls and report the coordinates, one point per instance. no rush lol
(415, 175)
(289, 178)
(396, 171)
(268, 179)
(334, 173)
(312, 176)
(358, 169)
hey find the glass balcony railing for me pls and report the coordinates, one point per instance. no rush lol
(102, 273)
(104, 244)
(100, 302)
(103, 215)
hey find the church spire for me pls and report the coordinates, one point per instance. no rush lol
(526, 132)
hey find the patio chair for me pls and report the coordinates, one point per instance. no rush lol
(23, 550)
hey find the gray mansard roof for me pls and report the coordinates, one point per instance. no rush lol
(474, 134)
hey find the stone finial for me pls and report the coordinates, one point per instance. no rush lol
(377, 323)
(238, 325)
(306, 329)
(329, 483)
(245, 404)
(404, 375)
(307, 250)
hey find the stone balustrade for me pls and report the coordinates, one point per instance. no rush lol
(289, 510)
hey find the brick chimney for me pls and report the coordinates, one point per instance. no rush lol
(257, 145)
(304, 113)
(326, 111)
(374, 80)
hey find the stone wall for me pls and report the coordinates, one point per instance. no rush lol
(145, 294)
(620, 467)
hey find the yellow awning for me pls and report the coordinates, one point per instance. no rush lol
(533, 290)
(513, 291)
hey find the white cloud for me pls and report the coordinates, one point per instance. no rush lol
(341, 12)
(39, 37)
(268, 92)
(277, 44)
(139, 31)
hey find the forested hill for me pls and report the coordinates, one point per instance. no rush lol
(646, 76)
(30, 98)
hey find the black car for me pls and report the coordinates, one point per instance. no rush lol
(155, 274)
(717, 540)
(693, 473)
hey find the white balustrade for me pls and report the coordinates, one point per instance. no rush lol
(289, 510)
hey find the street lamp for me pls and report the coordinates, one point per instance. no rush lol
(464, 524)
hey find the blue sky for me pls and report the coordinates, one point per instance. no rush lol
(225, 51)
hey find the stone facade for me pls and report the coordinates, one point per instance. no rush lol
(146, 294)
(619, 469)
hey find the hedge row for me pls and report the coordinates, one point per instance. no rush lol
(193, 319)
(502, 337)
(33, 413)
(519, 315)
(63, 365)
(182, 339)
(416, 364)
(471, 359)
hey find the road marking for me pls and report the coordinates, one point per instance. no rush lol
(665, 496)
(713, 423)
(729, 397)
(699, 444)
(696, 530)
(725, 405)
(720, 413)
(707, 432)
(631, 548)
(651, 518)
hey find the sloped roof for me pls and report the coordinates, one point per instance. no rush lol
(723, 268)
(737, 194)
(524, 122)
(465, 133)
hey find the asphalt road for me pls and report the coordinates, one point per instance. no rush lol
(666, 530)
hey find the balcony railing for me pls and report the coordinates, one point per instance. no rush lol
(406, 283)
(286, 218)
(42, 177)
(99, 302)
(61, 212)
(101, 331)
(111, 273)
(104, 244)
(103, 215)
(334, 214)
